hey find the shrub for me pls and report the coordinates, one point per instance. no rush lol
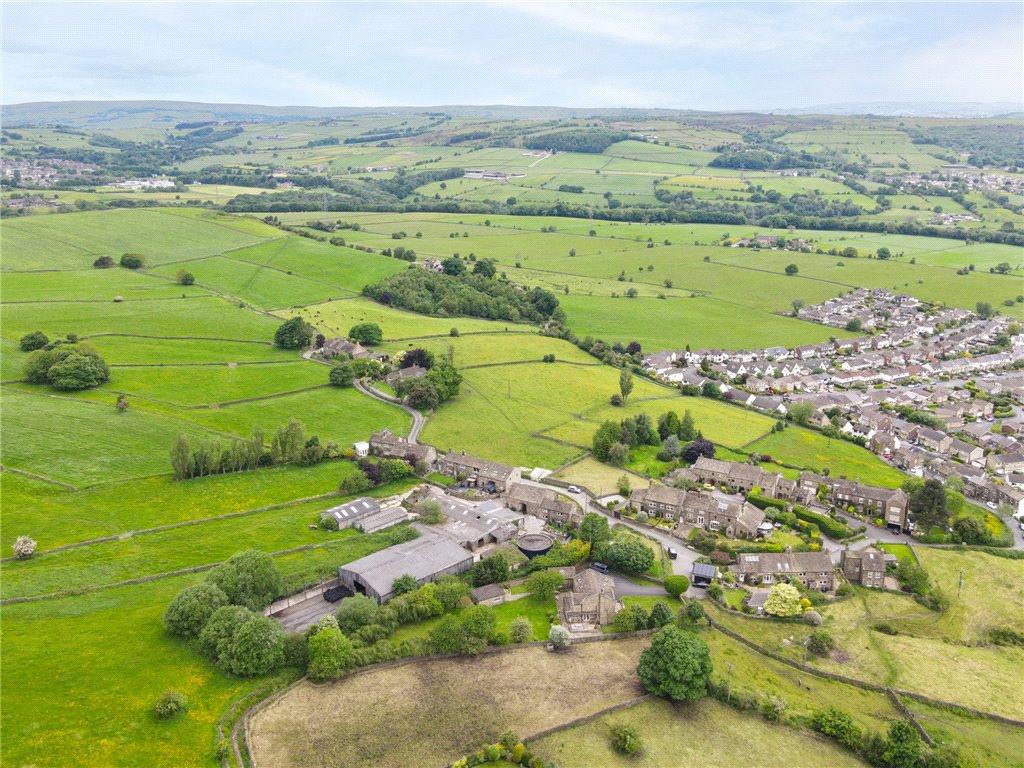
(837, 725)
(192, 608)
(466, 634)
(256, 647)
(903, 746)
(715, 590)
(813, 618)
(248, 578)
(661, 615)
(171, 704)
(329, 654)
(626, 740)
(830, 527)
(521, 630)
(676, 585)
(132, 261)
(296, 651)
(1005, 636)
(543, 584)
(30, 342)
(341, 375)
(783, 600)
(327, 621)
(103, 262)
(676, 665)
(820, 643)
(355, 612)
(184, 277)
(559, 636)
(773, 708)
(628, 555)
(885, 628)
(631, 618)
(24, 547)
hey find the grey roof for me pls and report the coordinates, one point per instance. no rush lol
(353, 510)
(705, 569)
(378, 521)
(422, 558)
(487, 592)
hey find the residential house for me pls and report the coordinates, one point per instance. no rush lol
(967, 453)
(812, 569)
(542, 503)
(590, 601)
(490, 476)
(405, 374)
(864, 566)
(389, 445)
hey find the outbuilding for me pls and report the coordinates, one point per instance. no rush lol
(703, 574)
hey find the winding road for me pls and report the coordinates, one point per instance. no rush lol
(418, 419)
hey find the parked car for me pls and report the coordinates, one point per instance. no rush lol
(600, 567)
(991, 505)
(573, 489)
(672, 554)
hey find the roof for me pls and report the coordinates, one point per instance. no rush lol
(353, 510)
(705, 569)
(783, 562)
(487, 592)
(484, 467)
(422, 558)
(378, 521)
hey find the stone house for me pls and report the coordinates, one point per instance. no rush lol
(590, 601)
(490, 476)
(864, 566)
(812, 569)
(542, 503)
(389, 445)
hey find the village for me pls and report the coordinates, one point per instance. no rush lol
(935, 393)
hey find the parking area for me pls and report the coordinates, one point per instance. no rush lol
(303, 614)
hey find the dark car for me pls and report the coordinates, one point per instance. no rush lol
(334, 594)
(600, 567)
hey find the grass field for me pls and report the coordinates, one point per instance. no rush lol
(536, 693)
(706, 733)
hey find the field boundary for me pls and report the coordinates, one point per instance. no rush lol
(40, 478)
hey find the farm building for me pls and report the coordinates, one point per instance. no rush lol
(426, 558)
(386, 518)
(351, 512)
(476, 525)
(490, 476)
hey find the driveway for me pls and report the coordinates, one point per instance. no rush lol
(627, 588)
(418, 419)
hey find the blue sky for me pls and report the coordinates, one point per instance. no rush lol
(727, 55)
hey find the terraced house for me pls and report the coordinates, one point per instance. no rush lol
(812, 569)
(490, 476)
(386, 443)
(542, 503)
(891, 504)
(718, 515)
(745, 477)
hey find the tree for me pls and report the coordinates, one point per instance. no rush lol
(605, 437)
(422, 395)
(696, 449)
(883, 253)
(330, 654)
(903, 746)
(466, 634)
(103, 262)
(521, 630)
(184, 277)
(216, 634)
(366, 333)
(78, 370)
(668, 424)
(453, 266)
(490, 570)
(192, 608)
(293, 334)
(801, 412)
(625, 384)
(676, 665)
(783, 600)
(132, 261)
(661, 615)
(983, 310)
(676, 585)
(670, 449)
(248, 578)
(24, 547)
(711, 389)
(792, 269)
(687, 429)
(403, 584)
(446, 379)
(629, 555)
(626, 740)
(837, 725)
(928, 503)
(559, 637)
(287, 442)
(181, 458)
(341, 375)
(853, 325)
(122, 403)
(971, 530)
(618, 454)
(595, 530)
(355, 612)
(797, 305)
(424, 358)
(542, 585)
(484, 268)
(256, 647)
(30, 342)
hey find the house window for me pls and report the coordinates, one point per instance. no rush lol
(700, 519)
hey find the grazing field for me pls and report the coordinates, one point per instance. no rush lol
(706, 733)
(474, 350)
(430, 718)
(815, 452)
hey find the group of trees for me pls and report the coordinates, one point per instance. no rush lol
(295, 333)
(474, 295)
(439, 384)
(64, 366)
(288, 445)
(612, 441)
(222, 615)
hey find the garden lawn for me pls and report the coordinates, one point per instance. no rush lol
(814, 451)
(701, 733)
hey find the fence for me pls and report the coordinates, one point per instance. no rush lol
(287, 602)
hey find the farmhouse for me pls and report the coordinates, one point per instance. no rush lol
(482, 473)
(591, 600)
(426, 558)
(386, 443)
(812, 569)
(542, 503)
(405, 374)
(864, 566)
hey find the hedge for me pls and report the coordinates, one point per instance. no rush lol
(833, 528)
(764, 502)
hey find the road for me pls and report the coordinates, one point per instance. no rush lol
(418, 419)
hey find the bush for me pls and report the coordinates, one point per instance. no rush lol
(466, 634)
(628, 555)
(543, 584)
(661, 615)
(295, 333)
(837, 725)
(103, 262)
(631, 619)
(30, 342)
(715, 590)
(773, 708)
(171, 704)
(676, 665)
(327, 621)
(820, 643)
(521, 630)
(885, 628)
(184, 277)
(355, 612)
(626, 740)
(1005, 636)
(248, 578)
(676, 585)
(132, 261)
(783, 600)
(813, 618)
(24, 547)
(830, 527)
(68, 367)
(330, 654)
(341, 375)
(192, 608)
(559, 636)
(296, 651)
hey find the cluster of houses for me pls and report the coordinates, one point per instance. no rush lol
(44, 173)
(938, 365)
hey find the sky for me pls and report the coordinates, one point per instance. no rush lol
(685, 55)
